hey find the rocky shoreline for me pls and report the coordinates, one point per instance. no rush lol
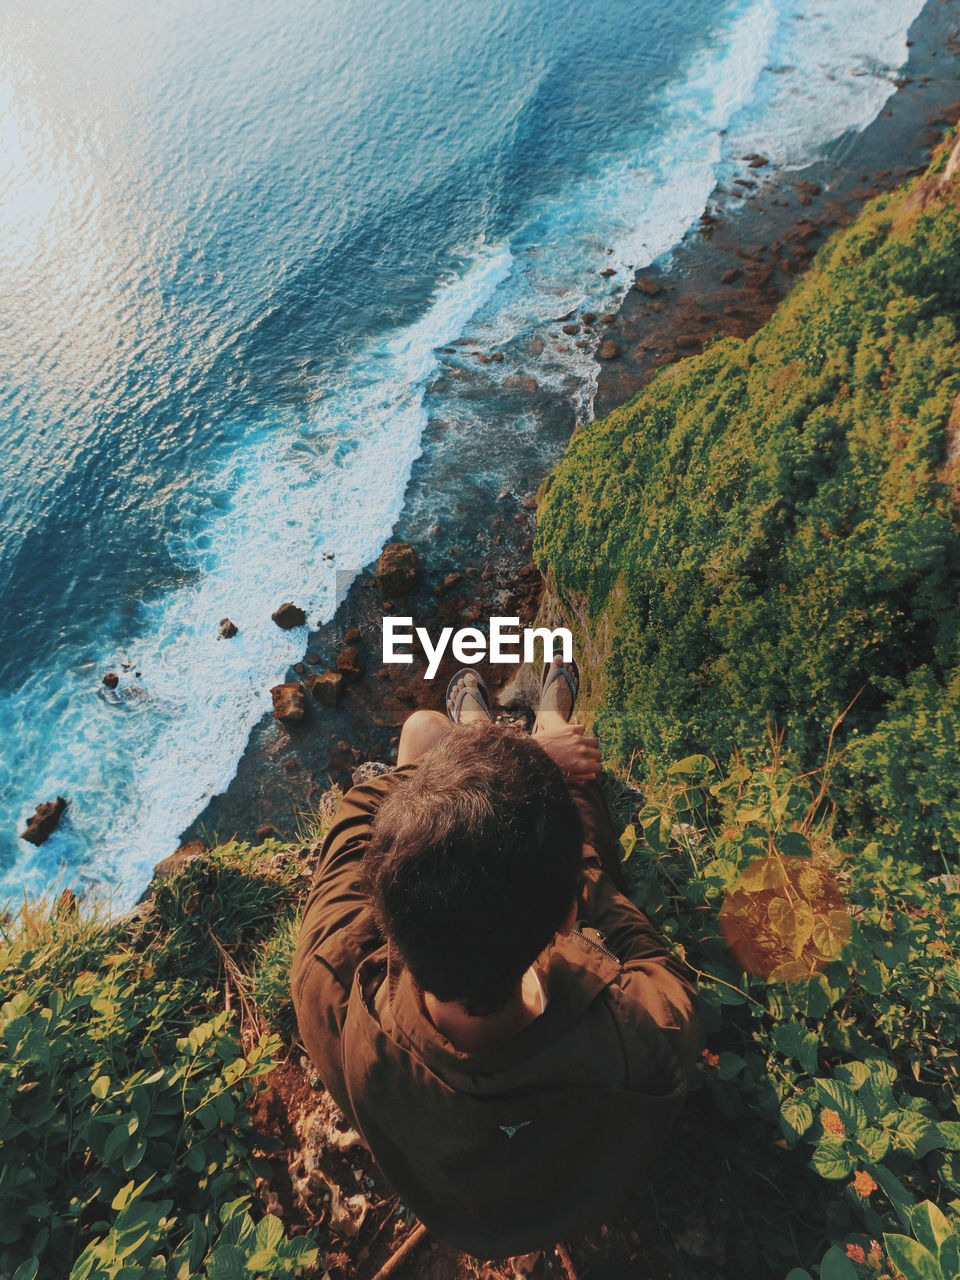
(725, 278)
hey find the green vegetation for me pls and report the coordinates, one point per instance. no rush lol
(768, 534)
(830, 989)
(129, 1056)
(769, 529)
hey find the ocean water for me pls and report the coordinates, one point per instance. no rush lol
(234, 242)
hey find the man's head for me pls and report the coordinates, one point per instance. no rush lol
(473, 864)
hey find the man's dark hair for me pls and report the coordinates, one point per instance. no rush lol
(473, 864)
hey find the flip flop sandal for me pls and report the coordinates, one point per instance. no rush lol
(479, 692)
(549, 674)
(569, 672)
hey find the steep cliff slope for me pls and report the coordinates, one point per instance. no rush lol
(770, 529)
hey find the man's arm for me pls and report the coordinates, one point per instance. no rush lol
(338, 930)
(652, 978)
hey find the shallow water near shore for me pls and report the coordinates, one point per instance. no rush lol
(248, 257)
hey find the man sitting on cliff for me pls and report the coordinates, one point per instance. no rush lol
(506, 1030)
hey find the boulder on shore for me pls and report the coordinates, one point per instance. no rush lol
(176, 861)
(349, 662)
(608, 350)
(329, 688)
(650, 288)
(288, 616)
(288, 701)
(398, 570)
(43, 822)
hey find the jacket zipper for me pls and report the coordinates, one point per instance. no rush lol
(599, 946)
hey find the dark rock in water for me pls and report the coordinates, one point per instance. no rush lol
(352, 636)
(264, 832)
(175, 862)
(588, 317)
(227, 630)
(522, 381)
(608, 271)
(288, 701)
(398, 570)
(111, 679)
(291, 765)
(609, 318)
(44, 821)
(566, 316)
(650, 288)
(349, 662)
(608, 350)
(571, 328)
(299, 668)
(728, 277)
(452, 580)
(289, 616)
(313, 658)
(497, 357)
(329, 688)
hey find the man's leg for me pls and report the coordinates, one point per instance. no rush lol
(425, 728)
(599, 837)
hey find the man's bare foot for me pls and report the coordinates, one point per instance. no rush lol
(467, 698)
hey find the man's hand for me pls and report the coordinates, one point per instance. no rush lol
(569, 747)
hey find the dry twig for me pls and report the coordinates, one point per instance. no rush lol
(415, 1238)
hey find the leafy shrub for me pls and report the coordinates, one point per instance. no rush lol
(126, 1144)
(771, 528)
(832, 1010)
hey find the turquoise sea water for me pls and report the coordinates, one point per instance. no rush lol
(233, 238)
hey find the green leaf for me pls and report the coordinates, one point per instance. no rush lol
(788, 1038)
(930, 1226)
(877, 1096)
(916, 1133)
(912, 1259)
(949, 1258)
(269, 1232)
(729, 1065)
(796, 1115)
(100, 1087)
(26, 1270)
(692, 766)
(115, 1143)
(226, 1262)
(765, 873)
(895, 1191)
(226, 1107)
(837, 1266)
(948, 1132)
(834, 1093)
(798, 1273)
(832, 1161)
(853, 1073)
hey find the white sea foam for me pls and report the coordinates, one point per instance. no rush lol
(170, 739)
(782, 78)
